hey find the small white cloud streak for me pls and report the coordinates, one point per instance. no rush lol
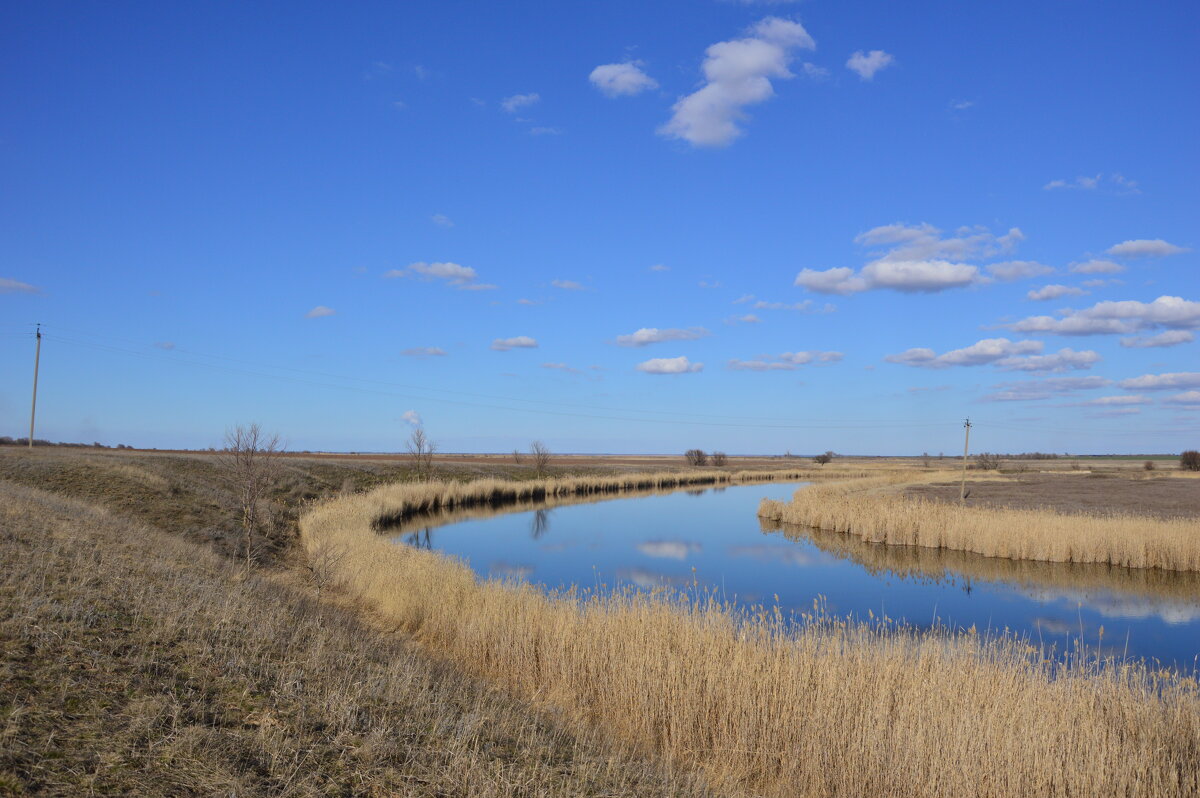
(10, 286)
(788, 361)
(518, 101)
(319, 312)
(1054, 292)
(865, 65)
(1162, 382)
(653, 335)
(670, 549)
(1163, 339)
(568, 285)
(1145, 248)
(1187, 399)
(669, 365)
(1097, 266)
(412, 418)
(441, 220)
(621, 80)
(424, 351)
(517, 342)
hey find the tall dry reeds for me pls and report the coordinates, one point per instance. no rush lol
(860, 508)
(763, 706)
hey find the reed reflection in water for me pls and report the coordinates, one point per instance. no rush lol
(714, 540)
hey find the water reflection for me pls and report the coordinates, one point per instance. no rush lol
(690, 540)
(1113, 591)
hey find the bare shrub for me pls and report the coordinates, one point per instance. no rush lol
(719, 459)
(541, 457)
(986, 461)
(1190, 460)
(1148, 465)
(696, 457)
(516, 455)
(251, 462)
(824, 458)
(420, 452)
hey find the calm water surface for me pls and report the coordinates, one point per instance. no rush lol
(713, 536)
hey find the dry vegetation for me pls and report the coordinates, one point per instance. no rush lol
(133, 662)
(861, 508)
(762, 706)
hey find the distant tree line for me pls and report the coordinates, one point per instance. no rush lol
(7, 441)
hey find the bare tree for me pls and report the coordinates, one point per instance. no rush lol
(696, 457)
(420, 452)
(824, 459)
(251, 462)
(517, 456)
(719, 458)
(541, 457)
(1190, 460)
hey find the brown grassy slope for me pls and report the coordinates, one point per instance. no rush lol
(135, 663)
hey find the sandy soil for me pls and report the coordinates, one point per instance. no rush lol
(1159, 497)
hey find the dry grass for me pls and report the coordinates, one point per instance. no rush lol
(1166, 588)
(135, 663)
(863, 508)
(762, 706)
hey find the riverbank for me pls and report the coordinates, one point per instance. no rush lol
(878, 511)
(760, 706)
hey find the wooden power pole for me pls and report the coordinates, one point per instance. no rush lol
(962, 491)
(37, 357)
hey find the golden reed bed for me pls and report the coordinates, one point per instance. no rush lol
(764, 707)
(858, 507)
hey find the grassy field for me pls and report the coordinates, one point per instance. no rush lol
(761, 707)
(136, 659)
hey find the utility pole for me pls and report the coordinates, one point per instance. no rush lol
(962, 491)
(37, 357)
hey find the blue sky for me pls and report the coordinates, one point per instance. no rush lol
(614, 227)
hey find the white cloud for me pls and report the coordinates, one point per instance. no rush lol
(8, 286)
(616, 80)
(737, 74)
(411, 417)
(1054, 292)
(461, 277)
(867, 64)
(672, 549)
(961, 105)
(807, 306)
(918, 258)
(568, 285)
(1018, 270)
(788, 361)
(529, 302)
(1187, 398)
(743, 299)
(1113, 401)
(815, 72)
(441, 220)
(518, 101)
(1168, 338)
(1001, 352)
(320, 311)
(518, 342)
(1096, 266)
(1162, 382)
(1117, 317)
(1063, 360)
(653, 335)
(167, 345)
(669, 365)
(561, 367)
(749, 318)
(423, 351)
(1035, 390)
(1113, 184)
(1145, 248)
(658, 267)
